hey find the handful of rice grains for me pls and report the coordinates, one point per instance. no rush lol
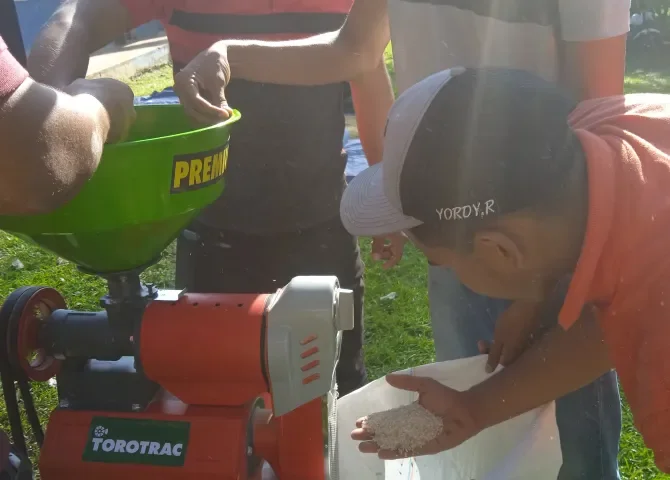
(403, 429)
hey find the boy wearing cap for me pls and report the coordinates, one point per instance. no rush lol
(520, 188)
(580, 44)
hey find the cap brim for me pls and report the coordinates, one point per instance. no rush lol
(365, 210)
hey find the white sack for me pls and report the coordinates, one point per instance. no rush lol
(524, 448)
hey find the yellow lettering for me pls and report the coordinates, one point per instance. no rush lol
(196, 168)
(224, 160)
(180, 173)
(216, 165)
(207, 170)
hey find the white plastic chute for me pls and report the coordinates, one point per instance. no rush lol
(524, 448)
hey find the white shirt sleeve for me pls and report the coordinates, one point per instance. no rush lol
(587, 20)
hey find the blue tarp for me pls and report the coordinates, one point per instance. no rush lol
(356, 161)
(166, 97)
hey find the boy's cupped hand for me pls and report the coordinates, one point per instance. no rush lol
(450, 405)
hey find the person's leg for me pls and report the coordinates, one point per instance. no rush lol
(351, 371)
(187, 250)
(459, 316)
(589, 424)
(588, 420)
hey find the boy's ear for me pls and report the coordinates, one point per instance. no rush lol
(498, 250)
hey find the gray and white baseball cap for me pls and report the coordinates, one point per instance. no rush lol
(460, 146)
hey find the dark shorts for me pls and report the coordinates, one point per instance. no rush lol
(218, 261)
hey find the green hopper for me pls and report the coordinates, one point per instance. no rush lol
(145, 191)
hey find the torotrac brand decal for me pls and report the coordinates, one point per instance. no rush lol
(149, 442)
(197, 170)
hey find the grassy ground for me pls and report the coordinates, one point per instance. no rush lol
(398, 331)
(648, 75)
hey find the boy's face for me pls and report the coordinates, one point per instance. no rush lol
(488, 269)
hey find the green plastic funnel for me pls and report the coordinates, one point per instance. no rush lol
(144, 192)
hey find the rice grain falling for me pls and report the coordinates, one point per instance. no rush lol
(404, 429)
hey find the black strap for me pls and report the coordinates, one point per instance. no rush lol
(10, 30)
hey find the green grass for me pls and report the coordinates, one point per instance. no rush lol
(648, 75)
(150, 81)
(644, 81)
(398, 331)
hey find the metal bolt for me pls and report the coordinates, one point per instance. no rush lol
(64, 403)
(136, 407)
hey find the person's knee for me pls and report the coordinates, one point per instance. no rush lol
(460, 317)
(448, 298)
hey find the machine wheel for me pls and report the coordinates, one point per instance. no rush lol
(21, 361)
(33, 306)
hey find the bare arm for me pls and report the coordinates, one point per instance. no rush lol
(596, 68)
(593, 46)
(78, 28)
(328, 58)
(373, 97)
(51, 145)
(559, 363)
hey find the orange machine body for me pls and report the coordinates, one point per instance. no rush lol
(209, 350)
(216, 448)
(293, 444)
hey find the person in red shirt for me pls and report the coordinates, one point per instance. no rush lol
(51, 140)
(522, 189)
